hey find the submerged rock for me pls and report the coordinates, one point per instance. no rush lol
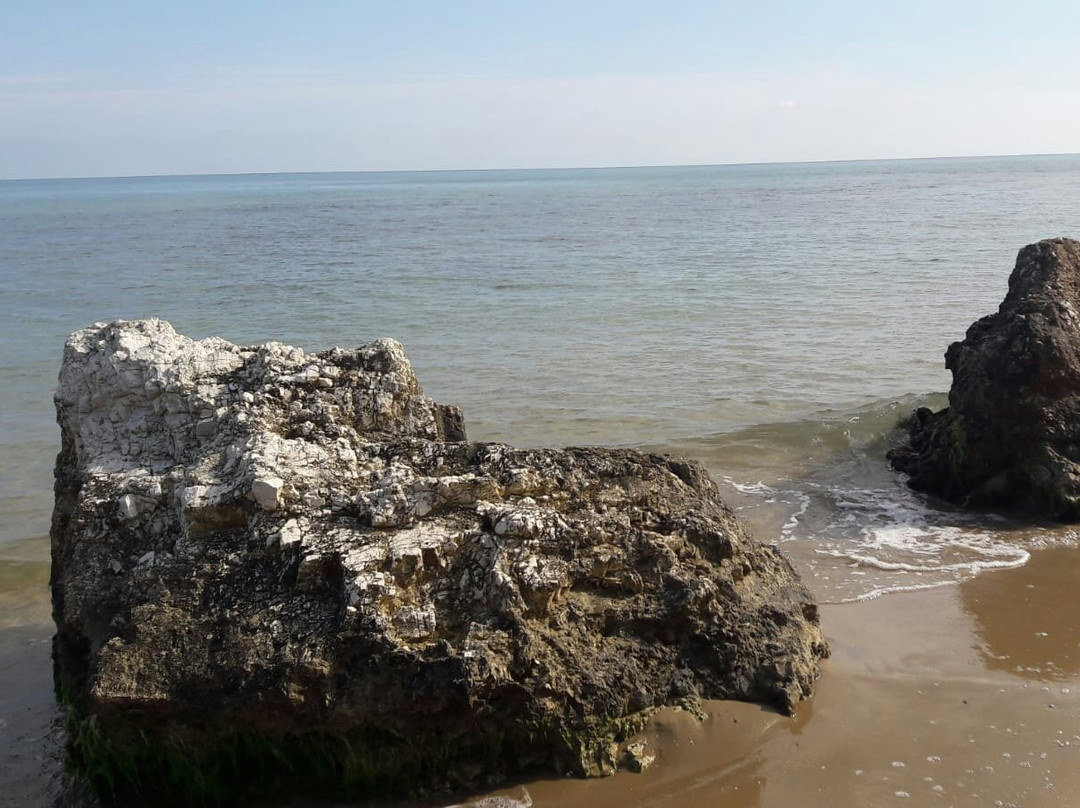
(637, 756)
(274, 569)
(1010, 437)
(498, 802)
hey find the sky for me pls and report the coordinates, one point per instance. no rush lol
(236, 86)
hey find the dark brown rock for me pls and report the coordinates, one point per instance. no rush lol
(1010, 437)
(273, 568)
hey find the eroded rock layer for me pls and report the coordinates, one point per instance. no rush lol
(1010, 437)
(272, 567)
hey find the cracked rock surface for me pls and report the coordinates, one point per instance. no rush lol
(275, 569)
(1010, 437)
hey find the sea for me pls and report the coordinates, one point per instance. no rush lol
(773, 321)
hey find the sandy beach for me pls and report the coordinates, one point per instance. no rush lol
(958, 696)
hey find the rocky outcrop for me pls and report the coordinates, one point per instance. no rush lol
(274, 568)
(1010, 437)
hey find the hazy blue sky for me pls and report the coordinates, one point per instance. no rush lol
(119, 88)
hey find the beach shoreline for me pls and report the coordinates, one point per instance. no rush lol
(959, 695)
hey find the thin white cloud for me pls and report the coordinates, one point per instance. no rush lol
(233, 123)
(37, 80)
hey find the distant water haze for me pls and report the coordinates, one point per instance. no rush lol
(772, 320)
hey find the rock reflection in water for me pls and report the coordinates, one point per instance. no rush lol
(1024, 617)
(699, 764)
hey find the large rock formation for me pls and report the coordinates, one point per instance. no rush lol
(273, 567)
(1010, 437)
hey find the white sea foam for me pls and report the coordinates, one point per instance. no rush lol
(749, 488)
(873, 594)
(797, 500)
(858, 543)
(1019, 560)
(793, 521)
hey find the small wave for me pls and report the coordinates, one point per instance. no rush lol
(749, 488)
(873, 594)
(1018, 560)
(863, 421)
(895, 532)
(790, 447)
(793, 521)
(821, 486)
(799, 501)
(859, 532)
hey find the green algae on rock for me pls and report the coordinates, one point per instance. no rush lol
(275, 570)
(1010, 437)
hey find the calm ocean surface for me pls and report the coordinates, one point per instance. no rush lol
(771, 320)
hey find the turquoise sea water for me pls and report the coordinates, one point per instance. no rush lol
(772, 320)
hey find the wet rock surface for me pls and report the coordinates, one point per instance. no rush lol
(1010, 437)
(275, 569)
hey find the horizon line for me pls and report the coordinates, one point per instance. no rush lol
(542, 168)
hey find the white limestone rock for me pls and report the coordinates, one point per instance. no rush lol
(299, 547)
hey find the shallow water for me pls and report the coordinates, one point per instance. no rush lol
(772, 321)
(851, 525)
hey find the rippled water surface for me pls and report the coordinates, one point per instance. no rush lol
(773, 321)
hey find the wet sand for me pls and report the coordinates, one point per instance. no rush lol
(959, 696)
